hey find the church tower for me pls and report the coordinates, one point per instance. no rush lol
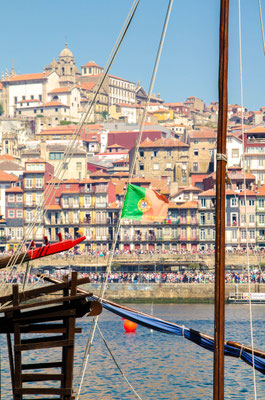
(66, 67)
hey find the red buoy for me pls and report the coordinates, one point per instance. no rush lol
(129, 326)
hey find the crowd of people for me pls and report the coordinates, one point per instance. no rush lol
(136, 252)
(195, 277)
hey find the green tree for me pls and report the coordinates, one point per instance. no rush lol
(1, 109)
(104, 114)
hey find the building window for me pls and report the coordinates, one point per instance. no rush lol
(87, 201)
(234, 234)
(141, 167)
(38, 183)
(11, 233)
(202, 234)
(19, 198)
(252, 234)
(155, 153)
(156, 167)
(11, 214)
(235, 153)
(251, 218)
(243, 234)
(242, 202)
(251, 203)
(29, 182)
(243, 218)
(15, 100)
(234, 202)
(141, 153)
(195, 167)
(234, 219)
(19, 214)
(261, 218)
(28, 199)
(195, 152)
(78, 166)
(202, 219)
(168, 165)
(261, 203)
(203, 203)
(11, 198)
(19, 233)
(195, 141)
(38, 198)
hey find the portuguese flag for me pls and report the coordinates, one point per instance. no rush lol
(144, 204)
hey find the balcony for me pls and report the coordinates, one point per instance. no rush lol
(100, 205)
(86, 190)
(183, 221)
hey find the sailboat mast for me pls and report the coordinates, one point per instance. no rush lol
(219, 327)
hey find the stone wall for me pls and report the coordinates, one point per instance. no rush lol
(167, 292)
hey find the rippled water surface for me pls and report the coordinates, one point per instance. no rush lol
(160, 366)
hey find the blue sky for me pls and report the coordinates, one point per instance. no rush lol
(34, 32)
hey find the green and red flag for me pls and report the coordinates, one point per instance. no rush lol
(144, 204)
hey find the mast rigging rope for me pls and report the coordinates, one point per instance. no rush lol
(245, 198)
(111, 254)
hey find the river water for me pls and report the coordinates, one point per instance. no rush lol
(160, 366)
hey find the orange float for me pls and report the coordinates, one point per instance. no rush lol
(129, 326)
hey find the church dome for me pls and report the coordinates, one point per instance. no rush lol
(66, 52)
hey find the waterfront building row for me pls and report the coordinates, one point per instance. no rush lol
(91, 208)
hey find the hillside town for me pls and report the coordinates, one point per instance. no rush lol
(83, 194)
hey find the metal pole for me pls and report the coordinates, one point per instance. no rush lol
(219, 329)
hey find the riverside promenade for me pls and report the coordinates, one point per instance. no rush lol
(151, 261)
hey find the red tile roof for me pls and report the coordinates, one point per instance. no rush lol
(71, 180)
(7, 157)
(90, 64)
(261, 190)
(198, 178)
(65, 89)
(54, 104)
(248, 193)
(88, 86)
(5, 177)
(59, 130)
(87, 180)
(256, 129)
(14, 189)
(190, 188)
(163, 143)
(27, 77)
(203, 134)
(230, 192)
(209, 192)
(99, 173)
(189, 204)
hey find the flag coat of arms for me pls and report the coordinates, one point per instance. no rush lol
(144, 204)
